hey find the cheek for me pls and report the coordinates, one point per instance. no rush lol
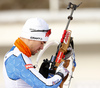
(37, 46)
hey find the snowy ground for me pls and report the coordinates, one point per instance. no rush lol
(85, 30)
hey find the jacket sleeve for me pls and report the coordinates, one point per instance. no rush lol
(20, 67)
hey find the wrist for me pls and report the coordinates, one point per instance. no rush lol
(60, 74)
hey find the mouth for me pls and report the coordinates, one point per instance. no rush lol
(37, 50)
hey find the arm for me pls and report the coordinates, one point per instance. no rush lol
(17, 68)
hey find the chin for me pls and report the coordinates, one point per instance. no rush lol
(33, 53)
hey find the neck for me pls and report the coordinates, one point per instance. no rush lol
(21, 44)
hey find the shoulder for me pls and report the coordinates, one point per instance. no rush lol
(14, 53)
(21, 56)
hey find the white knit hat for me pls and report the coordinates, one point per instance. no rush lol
(36, 29)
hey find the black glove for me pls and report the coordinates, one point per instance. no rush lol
(44, 68)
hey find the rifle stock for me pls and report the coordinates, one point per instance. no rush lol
(61, 52)
(63, 48)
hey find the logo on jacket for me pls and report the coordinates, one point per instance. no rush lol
(27, 66)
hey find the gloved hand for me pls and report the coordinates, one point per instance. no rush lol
(62, 71)
(44, 69)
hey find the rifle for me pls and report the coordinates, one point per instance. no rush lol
(62, 53)
(65, 42)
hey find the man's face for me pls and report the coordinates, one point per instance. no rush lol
(36, 46)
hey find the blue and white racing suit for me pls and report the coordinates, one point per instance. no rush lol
(17, 76)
